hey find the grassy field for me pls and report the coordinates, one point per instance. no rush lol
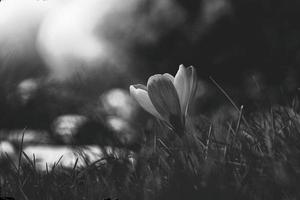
(251, 156)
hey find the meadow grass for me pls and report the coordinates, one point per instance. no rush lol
(251, 156)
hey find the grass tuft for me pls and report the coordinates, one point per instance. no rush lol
(258, 160)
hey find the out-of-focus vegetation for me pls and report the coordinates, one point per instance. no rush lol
(249, 54)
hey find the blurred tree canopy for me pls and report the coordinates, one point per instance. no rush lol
(248, 36)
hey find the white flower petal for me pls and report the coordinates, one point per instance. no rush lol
(192, 82)
(169, 76)
(142, 97)
(164, 97)
(182, 85)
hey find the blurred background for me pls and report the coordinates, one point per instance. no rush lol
(66, 65)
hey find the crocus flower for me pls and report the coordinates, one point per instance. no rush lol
(168, 97)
